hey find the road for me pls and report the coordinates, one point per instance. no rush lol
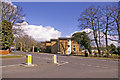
(68, 67)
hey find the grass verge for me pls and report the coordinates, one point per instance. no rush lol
(105, 58)
(12, 56)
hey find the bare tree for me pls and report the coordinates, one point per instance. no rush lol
(88, 20)
(99, 24)
(25, 42)
(108, 23)
(116, 15)
(64, 47)
(11, 12)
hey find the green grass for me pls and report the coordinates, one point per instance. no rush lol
(10, 56)
(13, 56)
(98, 57)
(12, 53)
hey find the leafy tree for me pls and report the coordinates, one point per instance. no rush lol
(10, 14)
(82, 39)
(7, 36)
(118, 50)
(113, 49)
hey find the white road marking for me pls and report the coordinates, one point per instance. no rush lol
(59, 64)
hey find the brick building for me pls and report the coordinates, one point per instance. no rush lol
(61, 45)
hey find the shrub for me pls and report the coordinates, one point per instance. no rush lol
(90, 55)
(72, 53)
(118, 50)
(114, 56)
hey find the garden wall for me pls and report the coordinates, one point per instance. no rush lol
(3, 52)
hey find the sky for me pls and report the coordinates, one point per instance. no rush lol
(62, 16)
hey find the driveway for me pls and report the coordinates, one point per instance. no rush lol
(68, 67)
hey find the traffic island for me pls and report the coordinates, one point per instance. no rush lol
(31, 65)
(28, 61)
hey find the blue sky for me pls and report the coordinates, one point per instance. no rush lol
(62, 16)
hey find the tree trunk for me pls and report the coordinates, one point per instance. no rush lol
(98, 48)
(99, 33)
(95, 38)
(118, 28)
(33, 49)
(106, 37)
(20, 46)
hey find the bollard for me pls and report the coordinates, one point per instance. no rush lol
(29, 59)
(55, 58)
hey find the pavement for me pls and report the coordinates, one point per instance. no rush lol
(68, 67)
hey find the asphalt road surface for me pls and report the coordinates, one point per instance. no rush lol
(67, 67)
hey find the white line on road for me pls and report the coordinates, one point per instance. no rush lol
(59, 64)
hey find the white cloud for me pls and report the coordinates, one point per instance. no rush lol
(40, 33)
(90, 34)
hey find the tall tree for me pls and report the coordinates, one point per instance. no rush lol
(11, 13)
(82, 39)
(107, 22)
(24, 42)
(115, 14)
(99, 23)
(88, 20)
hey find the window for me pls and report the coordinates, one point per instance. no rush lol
(74, 49)
(73, 45)
(68, 51)
(68, 40)
(68, 45)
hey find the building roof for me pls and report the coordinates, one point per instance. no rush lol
(63, 38)
(54, 39)
(48, 41)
